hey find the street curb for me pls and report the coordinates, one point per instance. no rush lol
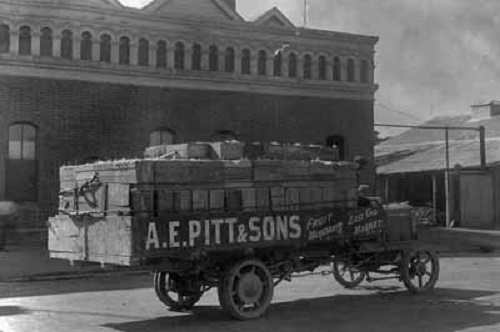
(74, 275)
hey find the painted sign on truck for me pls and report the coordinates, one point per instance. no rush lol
(229, 230)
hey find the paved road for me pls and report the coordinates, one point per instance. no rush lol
(467, 299)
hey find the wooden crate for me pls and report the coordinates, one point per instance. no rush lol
(217, 198)
(102, 240)
(278, 199)
(228, 150)
(249, 198)
(254, 151)
(172, 171)
(240, 170)
(206, 171)
(198, 150)
(262, 199)
(292, 199)
(200, 200)
(127, 171)
(155, 151)
(322, 171)
(296, 170)
(268, 170)
(234, 199)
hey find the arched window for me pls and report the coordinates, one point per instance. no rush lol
(161, 54)
(162, 137)
(213, 58)
(179, 56)
(67, 44)
(245, 62)
(223, 136)
(25, 40)
(143, 52)
(292, 65)
(351, 70)
(262, 63)
(364, 71)
(229, 63)
(21, 173)
(278, 62)
(124, 55)
(337, 68)
(86, 46)
(4, 38)
(105, 48)
(322, 68)
(307, 66)
(338, 142)
(46, 42)
(196, 57)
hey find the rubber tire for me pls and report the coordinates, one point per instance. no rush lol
(167, 300)
(345, 283)
(405, 273)
(224, 292)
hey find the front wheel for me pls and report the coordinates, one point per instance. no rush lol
(346, 275)
(170, 293)
(246, 290)
(419, 271)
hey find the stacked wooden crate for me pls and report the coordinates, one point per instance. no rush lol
(159, 187)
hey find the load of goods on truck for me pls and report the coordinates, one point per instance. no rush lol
(237, 217)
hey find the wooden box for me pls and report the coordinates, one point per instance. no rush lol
(268, 170)
(240, 170)
(296, 170)
(126, 171)
(254, 151)
(228, 150)
(155, 151)
(249, 199)
(191, 150)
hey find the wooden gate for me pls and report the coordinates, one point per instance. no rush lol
(477, 200)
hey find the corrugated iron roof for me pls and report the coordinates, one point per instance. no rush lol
(411, 158)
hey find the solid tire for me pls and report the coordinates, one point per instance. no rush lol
(227, 284)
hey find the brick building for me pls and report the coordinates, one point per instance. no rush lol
(82, 80)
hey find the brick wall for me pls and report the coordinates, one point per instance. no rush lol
(78, 120)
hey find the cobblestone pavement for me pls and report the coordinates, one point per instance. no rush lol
(467, 298)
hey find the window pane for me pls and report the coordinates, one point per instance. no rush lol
(14, 149)
(29, 133)
(29, 149)
(15, 132)
(4, 38)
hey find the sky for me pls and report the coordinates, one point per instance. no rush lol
(434, 58)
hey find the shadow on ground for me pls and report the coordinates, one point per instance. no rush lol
(6, 311)
(91, 284)
(445, 310)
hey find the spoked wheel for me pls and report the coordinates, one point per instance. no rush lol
(167, 290)
(246, 290)
(420, 271)
(346, 275)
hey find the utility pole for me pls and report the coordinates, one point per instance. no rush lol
(482, 156)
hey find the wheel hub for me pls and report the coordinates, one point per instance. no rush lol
(420, 268)
(250, 288)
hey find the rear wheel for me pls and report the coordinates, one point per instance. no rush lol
(420, 271)
(346, 275)
(246, 290)
(170, 292)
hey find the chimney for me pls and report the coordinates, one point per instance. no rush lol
(231, 3)
(485, 111)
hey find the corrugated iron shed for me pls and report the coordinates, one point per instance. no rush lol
(425, 157)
